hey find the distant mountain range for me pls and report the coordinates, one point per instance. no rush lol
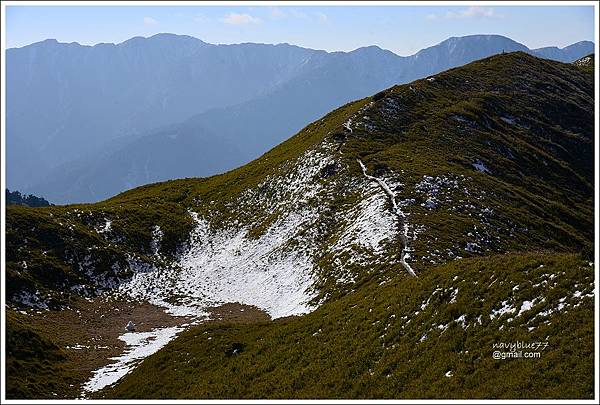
(86, 122)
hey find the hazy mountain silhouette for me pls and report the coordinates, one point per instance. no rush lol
(85, 122)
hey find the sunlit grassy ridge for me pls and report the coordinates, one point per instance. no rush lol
(371, 344)
(586, 63)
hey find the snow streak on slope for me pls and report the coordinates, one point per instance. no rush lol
(366, 231)
(227, 266)
(138, 346)
(370, 225)
(274, 271)
(223, 266)
(399, 213)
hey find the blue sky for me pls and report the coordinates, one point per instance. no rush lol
(401, 29)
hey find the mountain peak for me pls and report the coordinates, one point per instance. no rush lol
(46, 42)
(482, 38)
(165, 36)
(371, 50)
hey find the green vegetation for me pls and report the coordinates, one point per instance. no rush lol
(530, 121)
(16, 198)
(35, 366)
(586, 63)
(505, 149)
(368, 343)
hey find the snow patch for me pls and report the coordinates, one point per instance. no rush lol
(399, 213)
(155, 243)
(106, 227)
(347, 124)
(527, 305)
(472, 247)
(430, 203)
(480, 166)
(32, 300)
(505, 309)
(509, 120)
(227, 265)
(139, 345)
(462, 321)
(371, 225)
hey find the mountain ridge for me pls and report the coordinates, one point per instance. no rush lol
(166, 35)
(171, 101)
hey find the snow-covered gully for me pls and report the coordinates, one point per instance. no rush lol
(398, 212)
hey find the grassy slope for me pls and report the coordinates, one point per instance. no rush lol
(542, 166)
(37, 367)
(546, 187)
(586, 63)
(540, 189)
(366, 345)
(543, 195)
(52, 241)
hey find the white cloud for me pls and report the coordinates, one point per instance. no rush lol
(150, 21)
(469, 12)
(240, 19)
(280, 13)
(472, 12)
